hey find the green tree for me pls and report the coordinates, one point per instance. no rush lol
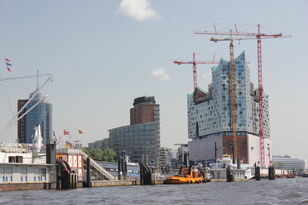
(99, 154)
(85, 150)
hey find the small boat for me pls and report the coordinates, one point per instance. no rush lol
(290, 176)
(188, 175)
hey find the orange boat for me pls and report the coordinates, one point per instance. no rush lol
(188, 175)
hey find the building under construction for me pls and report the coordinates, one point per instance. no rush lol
(209, 117)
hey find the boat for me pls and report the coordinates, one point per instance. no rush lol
(304, 175)
(188, 175)
(290, 176)
(218, 169)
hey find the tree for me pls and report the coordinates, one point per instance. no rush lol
(99, 154)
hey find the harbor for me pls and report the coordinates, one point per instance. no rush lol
(22, 169)
(153, 102)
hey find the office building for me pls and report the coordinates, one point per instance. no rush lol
(141, 139)
(165, 158)
(288, 163)
(39, 112)
(102, 144)
(209, 117)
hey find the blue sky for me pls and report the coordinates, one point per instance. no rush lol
(103, 54)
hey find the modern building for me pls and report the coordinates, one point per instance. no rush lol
(141, 139)
(104, 143)
(165, 159)
(145, 110)
(288, 163)
(39, 112)
(209, 117)
(141, 142)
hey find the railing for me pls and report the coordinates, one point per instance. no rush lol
(100, 169)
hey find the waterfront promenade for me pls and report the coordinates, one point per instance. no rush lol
(280, 191)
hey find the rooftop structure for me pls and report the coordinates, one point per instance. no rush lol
(145, 110)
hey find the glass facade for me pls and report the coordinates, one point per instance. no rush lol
(42, 115)
(141, 142)
(211, 117)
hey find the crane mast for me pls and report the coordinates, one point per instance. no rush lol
(233, 102)
(260, 99)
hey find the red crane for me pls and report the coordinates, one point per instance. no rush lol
(252, 36)
(194, 62)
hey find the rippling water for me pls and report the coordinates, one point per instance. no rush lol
(280, 191)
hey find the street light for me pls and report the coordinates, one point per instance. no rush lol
(231, 144)
(269, 154)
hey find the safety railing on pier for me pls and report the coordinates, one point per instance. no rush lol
(96, 166)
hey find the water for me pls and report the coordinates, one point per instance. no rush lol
(280, 191)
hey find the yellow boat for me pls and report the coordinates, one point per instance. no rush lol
(188, 175)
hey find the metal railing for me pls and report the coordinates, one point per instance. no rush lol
(100, 169)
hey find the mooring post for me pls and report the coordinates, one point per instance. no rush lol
(230, 176)
(51, 159)
(125, 169)
(271, 173)
(257, 173)
(88, 172)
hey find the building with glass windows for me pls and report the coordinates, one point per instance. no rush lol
(39, 112)
(141, 139)
(209, 116)
(102, 144)
(288, 163)
(141, 142)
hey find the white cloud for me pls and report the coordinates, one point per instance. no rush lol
(161, 74)
(138, 9)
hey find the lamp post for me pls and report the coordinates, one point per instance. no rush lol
(231, 144)
(215, 152)
(269, 155)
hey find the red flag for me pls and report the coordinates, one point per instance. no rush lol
(66, 132)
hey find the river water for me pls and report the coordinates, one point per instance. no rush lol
(279, 191)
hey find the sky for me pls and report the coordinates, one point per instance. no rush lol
(103, 54)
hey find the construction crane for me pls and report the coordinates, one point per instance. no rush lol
(232, 97)
(194, 62)
(251, 36)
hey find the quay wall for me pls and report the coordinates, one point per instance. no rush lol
(26, 186)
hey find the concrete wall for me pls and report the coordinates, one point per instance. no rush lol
(254, 150)
(203, 149)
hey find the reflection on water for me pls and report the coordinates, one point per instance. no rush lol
(280, 191)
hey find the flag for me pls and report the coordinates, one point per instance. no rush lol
(66, 132)
(80, 132)
(68, 145)
(8, 65)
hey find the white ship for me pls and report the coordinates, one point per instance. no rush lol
(218, 169)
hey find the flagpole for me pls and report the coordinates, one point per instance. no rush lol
(69, 137)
